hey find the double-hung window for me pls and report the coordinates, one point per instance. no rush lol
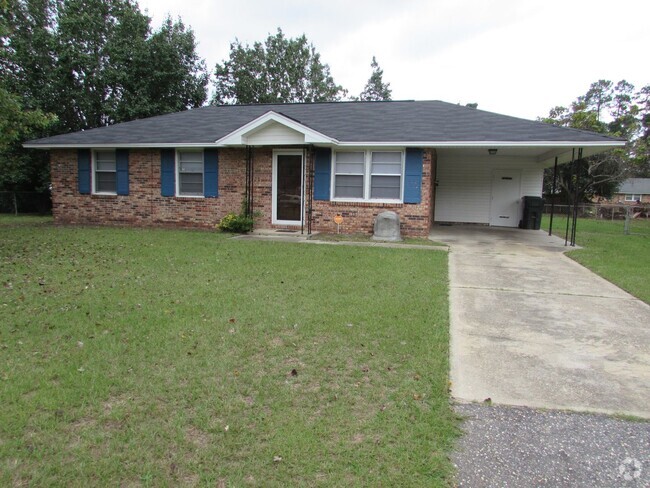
(190, 173)
(632, 198)
(386, 175)
(350, 170)
(105, 172)
(368, 175)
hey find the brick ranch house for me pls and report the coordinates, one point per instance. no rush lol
(633, 191)
(300, 165)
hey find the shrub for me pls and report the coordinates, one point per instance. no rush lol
(238, 224)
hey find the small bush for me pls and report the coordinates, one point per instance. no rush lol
(238, 224)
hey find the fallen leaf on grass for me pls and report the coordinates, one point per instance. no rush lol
(294, 372)
(277, 459)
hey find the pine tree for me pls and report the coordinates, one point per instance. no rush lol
(376, 90)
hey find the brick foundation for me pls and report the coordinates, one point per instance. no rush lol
(144, 206)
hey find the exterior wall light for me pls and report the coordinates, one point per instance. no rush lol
(492, 152)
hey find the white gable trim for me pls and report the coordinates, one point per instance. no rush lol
(239, 137)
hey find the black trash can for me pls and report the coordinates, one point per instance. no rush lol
(533, 209)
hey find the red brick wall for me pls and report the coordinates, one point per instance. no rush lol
(620, 198)
(145, 206)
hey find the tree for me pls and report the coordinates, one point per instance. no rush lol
(20, 169)
(93, 63)
(97, 62)
(282, 70)
(178, 81)
(614, 110)
(376, 90)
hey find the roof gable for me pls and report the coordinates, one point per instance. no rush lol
(273, 129)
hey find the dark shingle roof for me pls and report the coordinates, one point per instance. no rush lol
(635, 186)
(399, 121)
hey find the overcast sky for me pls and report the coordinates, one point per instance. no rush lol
(516, 57)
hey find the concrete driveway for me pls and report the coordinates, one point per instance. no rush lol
(529, 326)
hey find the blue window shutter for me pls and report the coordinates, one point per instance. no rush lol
(211, 173)
(167, 172)
(83, 170)
(122, 170)
(413, 176)
(322, 173)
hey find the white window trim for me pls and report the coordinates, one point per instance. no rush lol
(274, 187)
(629, 197)
(367, 176)
(93, 176)
(177, 170)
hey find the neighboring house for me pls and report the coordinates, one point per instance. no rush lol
(301, 165)
(633, 190)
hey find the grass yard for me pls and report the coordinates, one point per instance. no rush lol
(161, 358)
(622, 259)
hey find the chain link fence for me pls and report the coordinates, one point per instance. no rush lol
(608, 218)
(25, 202)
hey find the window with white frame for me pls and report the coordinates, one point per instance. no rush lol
(385, 175)
(368, 175)
(105, 172)
(190, 173)
(632, 198)
(349, 171)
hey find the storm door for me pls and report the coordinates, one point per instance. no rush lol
(287, 187)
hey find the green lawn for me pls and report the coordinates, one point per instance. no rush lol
(622, 259)
(161, 358)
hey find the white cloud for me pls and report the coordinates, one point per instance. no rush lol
(510, 56)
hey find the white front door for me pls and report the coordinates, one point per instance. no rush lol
(288, 189)
(504, 208)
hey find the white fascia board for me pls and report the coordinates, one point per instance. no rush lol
(327, 141)
(487, 144)
(145, 145)
(237, 137)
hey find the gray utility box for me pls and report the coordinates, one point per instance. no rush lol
(533, 210)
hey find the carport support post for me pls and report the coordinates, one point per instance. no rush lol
(568, 210)
(574, 227)
(550, 224)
